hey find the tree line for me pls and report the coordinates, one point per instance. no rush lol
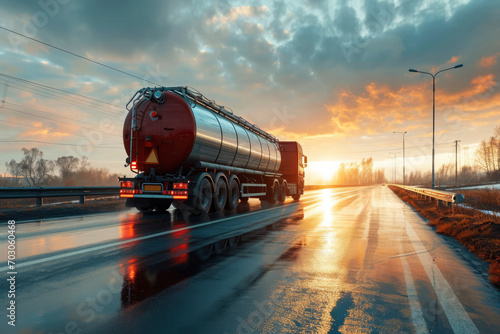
(34, 170)
(362, 173)
(485, 168)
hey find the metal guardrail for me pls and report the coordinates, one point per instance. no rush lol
(439, 195)
(40, 192)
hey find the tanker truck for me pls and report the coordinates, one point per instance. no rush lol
(187, 149)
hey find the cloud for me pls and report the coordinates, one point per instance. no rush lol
(238, 12)
(346, 21)
(488, 62)
(379, 108)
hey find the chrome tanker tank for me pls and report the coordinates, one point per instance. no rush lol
(175, 128)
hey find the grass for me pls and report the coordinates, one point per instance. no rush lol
(484, 199)
(477, 231)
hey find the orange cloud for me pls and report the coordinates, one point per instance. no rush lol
(381, 109)
(453, 60)
(45, 133)
(483, 83)
(378, 107)
(236, 12)
(487, 62)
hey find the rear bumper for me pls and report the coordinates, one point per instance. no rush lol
(153, 196)
(145, 196)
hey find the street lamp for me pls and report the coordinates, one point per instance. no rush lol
(434, 107)
(403, 133)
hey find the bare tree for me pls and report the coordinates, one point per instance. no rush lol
(487, 156)
(67, 166)
(33, 167)
(13, 168)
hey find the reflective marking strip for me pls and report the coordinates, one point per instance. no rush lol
(416, 309)
(152, 196)
(458, 318)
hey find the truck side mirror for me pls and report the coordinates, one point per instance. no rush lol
(304, 160)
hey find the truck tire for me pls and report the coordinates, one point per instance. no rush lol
(273, 195)
(283, 189)
(220, 194)
(300, 191)
(233, 194)
(203, 197)
(244, 199)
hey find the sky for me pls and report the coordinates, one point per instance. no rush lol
(332, 75)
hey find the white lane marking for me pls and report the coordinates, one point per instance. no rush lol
(458, 318)
(119, 243)
(417, 315)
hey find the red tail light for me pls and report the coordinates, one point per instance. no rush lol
(127, 184)
(180, 185)
(133, 164)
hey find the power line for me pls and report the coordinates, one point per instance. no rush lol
(56, 115)
(34, 127)
(90, 106)
(395, 149)
(59, 90)
(79, 56)
(54, 120)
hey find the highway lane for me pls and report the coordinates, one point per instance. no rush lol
(340, 260)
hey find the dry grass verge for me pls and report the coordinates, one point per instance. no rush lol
(482, 199)
(477, 231)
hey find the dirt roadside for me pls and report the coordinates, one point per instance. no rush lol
(477, 231)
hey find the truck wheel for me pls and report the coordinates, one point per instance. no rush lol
(220, 195)
(273, 196)
(233, 195)
(283, 190)
(244, 199)
(203, 198)
(296, 197)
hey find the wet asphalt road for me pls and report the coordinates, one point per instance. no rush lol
(348, 260)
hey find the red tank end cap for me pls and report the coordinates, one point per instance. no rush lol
(171, 137)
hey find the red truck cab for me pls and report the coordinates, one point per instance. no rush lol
(292, 168)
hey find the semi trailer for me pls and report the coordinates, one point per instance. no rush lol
(187, 149)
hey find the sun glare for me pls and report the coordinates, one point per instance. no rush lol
(322, 172)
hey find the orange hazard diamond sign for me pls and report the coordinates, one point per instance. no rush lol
(152, 158)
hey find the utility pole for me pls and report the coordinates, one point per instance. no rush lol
(456, 162)
(403, 133)
(394, 166)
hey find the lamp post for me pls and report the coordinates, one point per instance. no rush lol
(403, 133)
(434, 107)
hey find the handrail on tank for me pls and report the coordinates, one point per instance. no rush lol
(191, 95)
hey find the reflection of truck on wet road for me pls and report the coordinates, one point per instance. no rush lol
(186, 148)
